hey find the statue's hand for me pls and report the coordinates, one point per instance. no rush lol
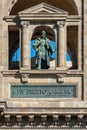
(53, 51)
(36, 49)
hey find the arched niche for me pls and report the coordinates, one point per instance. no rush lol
(49, 31)
(51, 36)
(67, 5)
(72, 47)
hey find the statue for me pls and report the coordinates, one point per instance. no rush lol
(43, 51)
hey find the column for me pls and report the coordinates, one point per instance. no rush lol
(25, 47)
(56, 39)
(61, 46)
(79, 47)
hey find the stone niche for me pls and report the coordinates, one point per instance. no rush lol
(46, 94)
(58, 83)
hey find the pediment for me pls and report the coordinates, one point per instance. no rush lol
(43, 8)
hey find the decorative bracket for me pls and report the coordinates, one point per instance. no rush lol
(19, 118)
(68, 119)
(7, 118)
(80, 118)
(31, 118)
(60, 78)
(24, 78)
(55, 117)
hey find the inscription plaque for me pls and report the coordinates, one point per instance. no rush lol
(43, 91)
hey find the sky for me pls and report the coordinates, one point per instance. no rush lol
(16, 56)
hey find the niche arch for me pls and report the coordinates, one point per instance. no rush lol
(50, 35)
(67, 5)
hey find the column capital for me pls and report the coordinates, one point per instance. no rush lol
(61, 23)
(25, 23)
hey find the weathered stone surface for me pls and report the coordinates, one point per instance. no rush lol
(71, 36)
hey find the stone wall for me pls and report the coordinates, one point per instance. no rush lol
(85, 48)
(76, 105)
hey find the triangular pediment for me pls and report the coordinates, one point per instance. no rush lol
(43, 8)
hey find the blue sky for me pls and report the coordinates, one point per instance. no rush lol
(16, 56)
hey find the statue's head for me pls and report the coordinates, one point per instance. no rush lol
(43, 34)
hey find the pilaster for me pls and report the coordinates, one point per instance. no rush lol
(5, 46)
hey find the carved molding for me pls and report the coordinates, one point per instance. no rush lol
(19, 118)
(25, 24)
(61, 23)
(43, 121)
(80, 118)
(31, 118)
(43, 118)
(65, 72)
(55, 117)
(7, 118)
(68, 118)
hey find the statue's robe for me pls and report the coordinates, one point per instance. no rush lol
(43, 50)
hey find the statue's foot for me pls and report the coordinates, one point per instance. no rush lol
(38, 68)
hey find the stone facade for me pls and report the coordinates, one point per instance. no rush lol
(65, 23)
